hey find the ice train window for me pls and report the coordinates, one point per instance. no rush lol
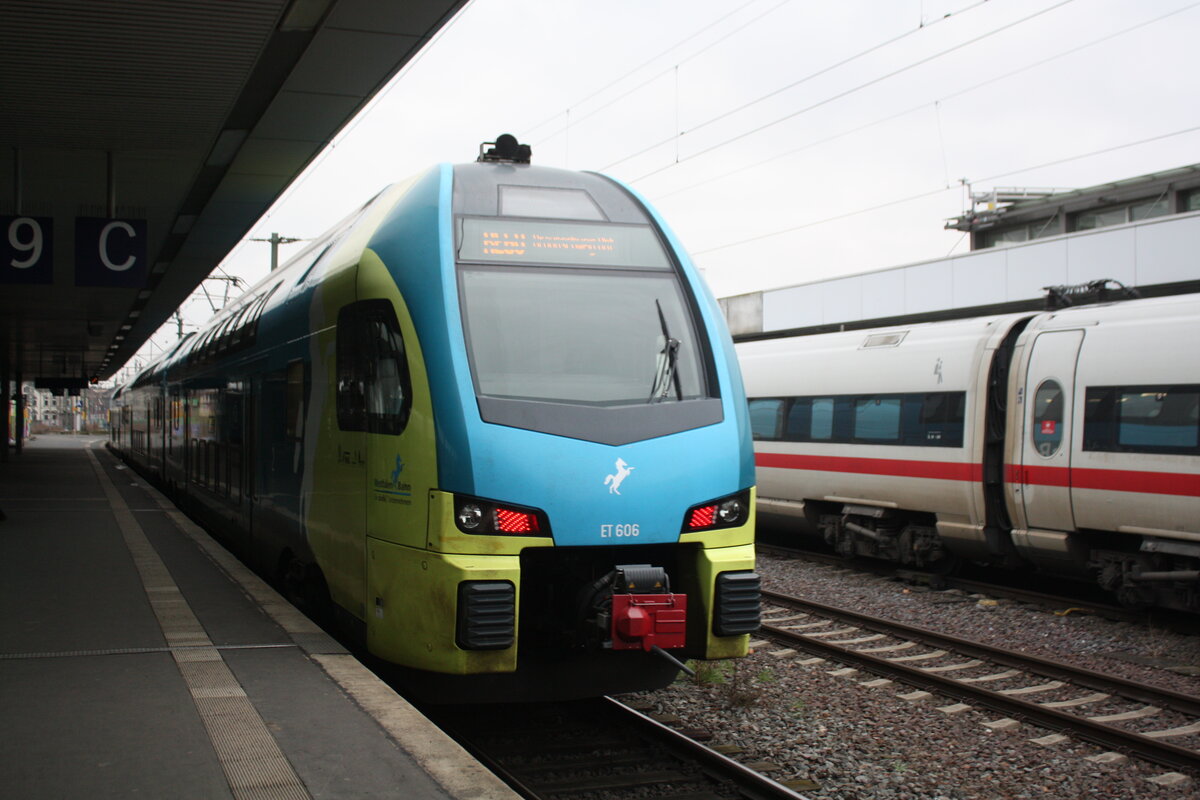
(822, 418)
(1163, 418)
(877, 418)
(1048, 418)
(764, 417)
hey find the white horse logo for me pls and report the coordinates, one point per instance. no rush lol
(613, 482)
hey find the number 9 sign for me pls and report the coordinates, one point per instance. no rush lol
(26, 250)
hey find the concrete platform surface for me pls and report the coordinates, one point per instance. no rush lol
(139, 659)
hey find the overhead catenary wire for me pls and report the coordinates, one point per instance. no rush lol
(912, 109)
(836, 65)
(650, 61)
(922, 195)
(852, 90)
(920, 27)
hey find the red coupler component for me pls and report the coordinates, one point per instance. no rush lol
(640, 621)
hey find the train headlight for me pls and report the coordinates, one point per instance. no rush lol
(724, 512)
(479, 516)
(469, 517)
(732, 512)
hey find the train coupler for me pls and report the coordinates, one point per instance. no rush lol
(646, 614)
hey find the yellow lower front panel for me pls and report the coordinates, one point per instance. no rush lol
(412, 610)
(709, 563)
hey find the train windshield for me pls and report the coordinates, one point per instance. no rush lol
(580, 327)
(598, 336)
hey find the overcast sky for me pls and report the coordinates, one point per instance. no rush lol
(785, 141)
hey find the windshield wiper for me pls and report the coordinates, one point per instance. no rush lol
(665, 374)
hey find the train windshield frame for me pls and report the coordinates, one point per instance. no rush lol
(563, 340)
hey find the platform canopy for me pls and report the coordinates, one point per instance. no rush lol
(140, 140)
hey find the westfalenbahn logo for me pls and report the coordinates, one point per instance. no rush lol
(614, 481)
(392, 489)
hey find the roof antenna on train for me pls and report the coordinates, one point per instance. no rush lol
(505, 149)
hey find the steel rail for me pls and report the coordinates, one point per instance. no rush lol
(1165, 698)
(752, 784)
(1107, 736)
(885, 569)
(664, 756)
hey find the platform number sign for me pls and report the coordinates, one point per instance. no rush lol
(110, 252)
(26, 250)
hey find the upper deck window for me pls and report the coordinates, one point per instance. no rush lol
(544, 201)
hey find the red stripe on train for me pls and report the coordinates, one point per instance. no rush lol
(939, 470)
(1112, 480)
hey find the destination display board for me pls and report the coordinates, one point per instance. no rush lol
(574, 244)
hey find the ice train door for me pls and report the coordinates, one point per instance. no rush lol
(1045, 472)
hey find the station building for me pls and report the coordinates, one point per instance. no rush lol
(1141, 233)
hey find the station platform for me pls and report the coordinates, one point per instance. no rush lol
(139, 659)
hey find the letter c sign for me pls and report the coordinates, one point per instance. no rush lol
(110, 252)
(104, 251)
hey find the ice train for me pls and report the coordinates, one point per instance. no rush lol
(1066, 441)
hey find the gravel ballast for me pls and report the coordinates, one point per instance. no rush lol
(841, 739)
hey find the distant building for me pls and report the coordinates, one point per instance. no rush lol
(1142, 233)
(48, 412)
(1004, 217)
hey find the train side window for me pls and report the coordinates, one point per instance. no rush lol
(1155, 419)
(351, 371)
(374, 383)
(389, 384)
(939, 422)
(765, 414)
(295, 399)
(821, 421)
(1143, 419)
(1048, 418)
(877, 419)
(797, 426)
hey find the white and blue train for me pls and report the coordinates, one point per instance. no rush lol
(493, 420)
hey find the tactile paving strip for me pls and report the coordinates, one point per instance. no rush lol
(254, 766)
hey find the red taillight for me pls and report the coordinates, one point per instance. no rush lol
(702, 517)
(480, 517)
(509, 521)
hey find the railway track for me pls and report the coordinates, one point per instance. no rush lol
(1156, 725)
(601, 748)
(1181, 622)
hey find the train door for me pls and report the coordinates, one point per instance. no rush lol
(1046, 438)
(160, 403)
(398, 463)
(233, 418)
(337, 513)
(249, 452)
(187, 447)
(258, 454)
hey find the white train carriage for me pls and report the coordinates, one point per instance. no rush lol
(1068, 440)
(1104, 452)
